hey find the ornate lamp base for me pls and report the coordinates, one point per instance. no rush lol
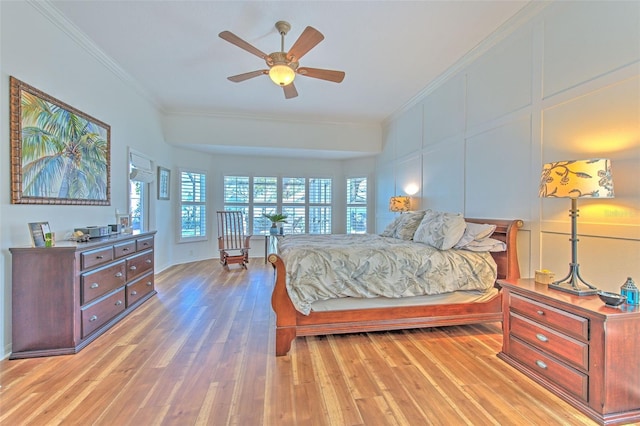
(573, 283)
(568, 288)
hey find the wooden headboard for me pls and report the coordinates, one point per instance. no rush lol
(507, 231)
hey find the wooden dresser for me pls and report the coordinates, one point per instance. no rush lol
(64, 297)
(581, 350)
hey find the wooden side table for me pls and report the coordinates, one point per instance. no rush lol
(578, 348)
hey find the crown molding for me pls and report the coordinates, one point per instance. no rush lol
(523, 16)
(271, 118)
(49, 11)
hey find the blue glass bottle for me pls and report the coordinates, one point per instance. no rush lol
(630, 291)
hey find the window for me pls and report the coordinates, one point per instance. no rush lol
(265, 201)
(319, 206)
(137, 198)
(193, 206)
(140, 174)
(305, 201)
(357, 205)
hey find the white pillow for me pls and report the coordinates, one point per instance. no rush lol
(404, 225)
(440, 230)
(475, 232)
(409, 222)
(488, 244)
(390, 230)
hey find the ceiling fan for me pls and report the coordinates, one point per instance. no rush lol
(283, 66)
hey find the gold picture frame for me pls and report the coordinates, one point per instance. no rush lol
(59, 155)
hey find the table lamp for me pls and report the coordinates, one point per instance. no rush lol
(576, 179)
(400, 204)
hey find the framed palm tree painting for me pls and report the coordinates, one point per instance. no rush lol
(59, 155)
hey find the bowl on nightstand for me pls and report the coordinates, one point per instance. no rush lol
(611, 299)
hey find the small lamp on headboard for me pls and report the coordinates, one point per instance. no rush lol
(399, 204)
(576, 179)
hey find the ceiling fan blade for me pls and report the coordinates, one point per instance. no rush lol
(329, 75)
(290, 91)
(247, 75)
(234, 39)
(309, 38)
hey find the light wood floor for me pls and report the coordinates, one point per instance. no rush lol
(201, 352)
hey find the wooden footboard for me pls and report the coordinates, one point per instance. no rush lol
(291, 323)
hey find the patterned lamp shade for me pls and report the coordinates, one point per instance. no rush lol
(399, 204)
(577, 179)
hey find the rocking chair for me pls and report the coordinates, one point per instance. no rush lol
(232, 242)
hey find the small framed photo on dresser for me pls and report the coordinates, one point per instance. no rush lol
(38, 230)
(124, 220)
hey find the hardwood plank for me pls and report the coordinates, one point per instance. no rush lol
(202, 352)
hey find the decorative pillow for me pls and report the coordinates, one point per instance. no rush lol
(408, 224)
(390, 230)
(488, 244)
(440, 230)
(475, 232)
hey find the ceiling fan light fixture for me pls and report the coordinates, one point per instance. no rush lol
(282, 74)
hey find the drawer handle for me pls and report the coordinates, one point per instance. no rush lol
(145, 244)
(149, 283)
(540, 312)
(133, 267)
(541, 364)
(125, 249)
(95, 285)
(148, 260)
(542, 337)
(99, 257)
(133, 293)
(119, 274)
(93, 318)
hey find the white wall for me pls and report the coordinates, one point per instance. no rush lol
(565, 84)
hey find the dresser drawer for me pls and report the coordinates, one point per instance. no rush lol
(139, 264)
(573, 381)
(568, 349)
(144, 243)
(124, 249)
(557, 319)
(101, 281)
(98, 313)
(139, 288)
(92, 258)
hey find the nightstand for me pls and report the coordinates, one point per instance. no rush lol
(586, 353)
(270, 246)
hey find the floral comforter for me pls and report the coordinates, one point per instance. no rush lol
(321, 267)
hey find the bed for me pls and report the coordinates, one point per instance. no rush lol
(364, 314)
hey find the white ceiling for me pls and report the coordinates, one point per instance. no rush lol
(390, 51)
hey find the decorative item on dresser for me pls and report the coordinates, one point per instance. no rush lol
(578, 348)
(64, 297)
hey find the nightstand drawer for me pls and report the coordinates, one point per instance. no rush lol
(562, 375)
(557, 319)
(568, 349)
